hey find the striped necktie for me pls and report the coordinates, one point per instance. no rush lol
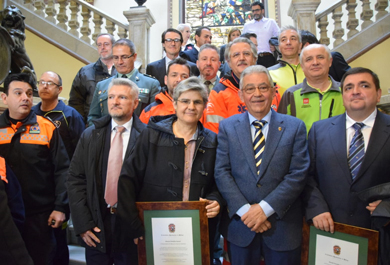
(356, 150)
(258, 143)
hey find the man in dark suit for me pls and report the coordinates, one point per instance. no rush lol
(335, 177)
(171, 40)
(92, 207)
(261, 183)
(202, 36)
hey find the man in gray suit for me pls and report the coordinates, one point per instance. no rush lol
(261, 170)
(124, 56)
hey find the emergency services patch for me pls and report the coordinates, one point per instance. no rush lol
(57, 123)
(34, 129)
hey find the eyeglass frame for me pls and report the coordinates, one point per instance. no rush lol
(48, 83)
(262, 89)
(175, 40)
(123, 57)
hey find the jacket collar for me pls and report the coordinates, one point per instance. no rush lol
(308, 89)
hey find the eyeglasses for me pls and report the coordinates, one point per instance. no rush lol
(49, 83)
(123, 57)
(188, 102)
(251, 89)
(106, 44)
(245, 53)
(256, 10)
(173, 40)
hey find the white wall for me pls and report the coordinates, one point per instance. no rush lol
(159, 10)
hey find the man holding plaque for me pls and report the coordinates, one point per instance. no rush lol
(260, 170)
(349, 153)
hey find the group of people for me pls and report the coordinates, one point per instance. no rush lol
(184, 133)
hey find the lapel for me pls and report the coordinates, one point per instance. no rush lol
(244, 137)
(162, 66)
(379, 135)
(275, 132)
(136, 129)
(338, 138)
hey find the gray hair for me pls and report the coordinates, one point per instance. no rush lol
(209, 46)
(289, 27)
(181, 27)
(192, 83)
(255, 69)
(125, 42)
(124, 82)
(314, 45)
(240, 40)
(105, 34)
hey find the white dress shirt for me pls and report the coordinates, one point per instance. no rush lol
(125, 134)
(265, 29)
(366, 130)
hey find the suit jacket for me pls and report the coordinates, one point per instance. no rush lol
(158, 70)
(148, 89)
(330, 187)
(190, 55)
(282, 178)
(85, 187)
(339, 66)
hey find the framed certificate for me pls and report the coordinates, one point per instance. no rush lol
(347, 245)
(175, 233)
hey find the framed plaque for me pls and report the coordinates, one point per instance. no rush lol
(347, 245)
(175, 233)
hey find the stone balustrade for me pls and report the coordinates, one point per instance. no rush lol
(343, 18)
(78, 18)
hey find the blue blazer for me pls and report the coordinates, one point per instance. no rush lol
(330, 187)
(148, 89)
(190, 55)
(282, 178)
(158, 70)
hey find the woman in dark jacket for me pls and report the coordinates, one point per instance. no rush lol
(173, 160)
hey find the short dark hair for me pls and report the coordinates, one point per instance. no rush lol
(180, 61)
(360, 70)
(309, 37)
(105, 34)
(257, 3)
(198, 31)
(125, 42)
(171, 30)
(22, 77)
(249, 35)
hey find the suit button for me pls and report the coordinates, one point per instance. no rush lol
(258, 185)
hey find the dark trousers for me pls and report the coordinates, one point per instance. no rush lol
(257, 248)
(39, 238)
(266, 61)
(61, 251)
(95, 257)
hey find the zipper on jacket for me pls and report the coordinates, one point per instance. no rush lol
(321, 96)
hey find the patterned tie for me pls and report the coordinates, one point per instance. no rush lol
(258, 143)
(114, 167)
(356, 150)
(208, 83)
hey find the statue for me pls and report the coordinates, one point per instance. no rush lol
(12, 35)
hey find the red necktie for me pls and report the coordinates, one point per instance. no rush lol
(114, 167)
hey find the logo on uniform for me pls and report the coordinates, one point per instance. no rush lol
(172, 228)
(241, 108)
(34, 129)
(336, 250)
(306, 103)
(144, 90)
(57, 123)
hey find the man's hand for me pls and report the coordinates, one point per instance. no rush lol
(264, 227)
(90, 238)
(136, 240)
(56, 219)
(324, 222)
(372, 206)
(212, 208)
(254, 218)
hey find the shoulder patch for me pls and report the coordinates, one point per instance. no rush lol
(149, 76)
(34, 129)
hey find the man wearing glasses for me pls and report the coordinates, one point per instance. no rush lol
(70, 125)
(265, 29)
(124, 56)
(171, 40)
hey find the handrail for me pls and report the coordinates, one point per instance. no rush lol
(101, 13)
(330, 9)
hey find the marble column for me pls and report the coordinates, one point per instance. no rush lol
(303, 13)
(140, 20)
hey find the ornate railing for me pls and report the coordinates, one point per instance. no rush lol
(75, 17)
(344, 13)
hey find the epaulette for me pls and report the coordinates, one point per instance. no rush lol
(149, 76)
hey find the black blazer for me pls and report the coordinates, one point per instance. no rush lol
(339, 66)
(190, 55)
(158, 70)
